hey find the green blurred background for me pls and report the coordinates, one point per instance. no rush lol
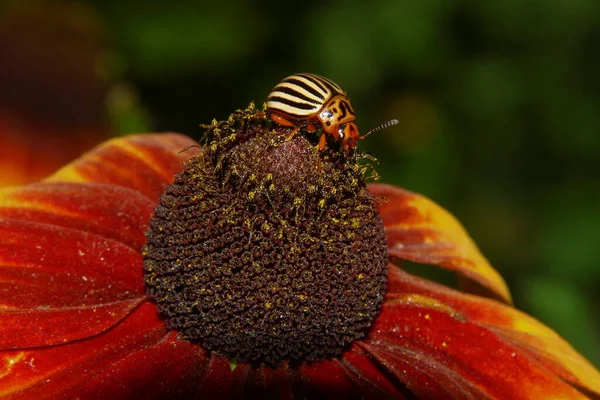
(498, 105)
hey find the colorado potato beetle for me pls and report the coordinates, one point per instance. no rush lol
(313, 102)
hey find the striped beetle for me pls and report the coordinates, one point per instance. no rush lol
(313, 102)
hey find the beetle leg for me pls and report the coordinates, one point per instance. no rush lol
(281, 121)
(322, 141)
(322, 144)
(311, 128)
(284, 122)
(293, 133)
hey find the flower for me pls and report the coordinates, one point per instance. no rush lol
(86, 312)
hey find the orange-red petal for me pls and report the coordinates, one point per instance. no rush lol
(47, 266)
(86, 235)
(37, 327)
(440, 343)
(218, 382)
(419, 230)
(262, 382)
(71, 272)
(326, 379)
(61, 371)
(370, 380)
(527, 333)
(414, 370)
(144, 163)
(169, 369)
(114, 212)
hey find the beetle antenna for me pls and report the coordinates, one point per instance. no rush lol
(380, 127)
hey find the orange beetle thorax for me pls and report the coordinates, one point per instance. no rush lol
(336, 112)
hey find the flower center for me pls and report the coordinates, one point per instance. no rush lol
(264, 249)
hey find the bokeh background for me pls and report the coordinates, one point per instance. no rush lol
(498, 105)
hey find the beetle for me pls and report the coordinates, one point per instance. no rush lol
(314, 102)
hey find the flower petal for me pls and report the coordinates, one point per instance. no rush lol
(517, 327)
(445, 342)
(419, 230)
(64, 267)
(323, 380)
(114, 212)
(145, 163)
(276, 382)
(262, 382)
(169, 369)
(422, 378)
(218, 381)
(48, 326)
(61, 371)
(368, 378)
(82, 236)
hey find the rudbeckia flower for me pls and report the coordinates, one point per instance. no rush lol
(153, 267)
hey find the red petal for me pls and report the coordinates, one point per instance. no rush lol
(425, 379)
(323, 380)
(478, 355)
(169, 369)
(419, 230)
(277, 382)
(218, 381)
(145, 163)
(247, 382)
(48, 266)
(61, 371)
(43, 327)
(111, 211)
(262, 382)
(367, 377)
(519, 328)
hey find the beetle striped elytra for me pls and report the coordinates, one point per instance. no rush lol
(313, 102)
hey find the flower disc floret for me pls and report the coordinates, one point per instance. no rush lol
(263, 252)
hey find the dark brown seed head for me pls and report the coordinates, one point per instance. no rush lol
(265, 250)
